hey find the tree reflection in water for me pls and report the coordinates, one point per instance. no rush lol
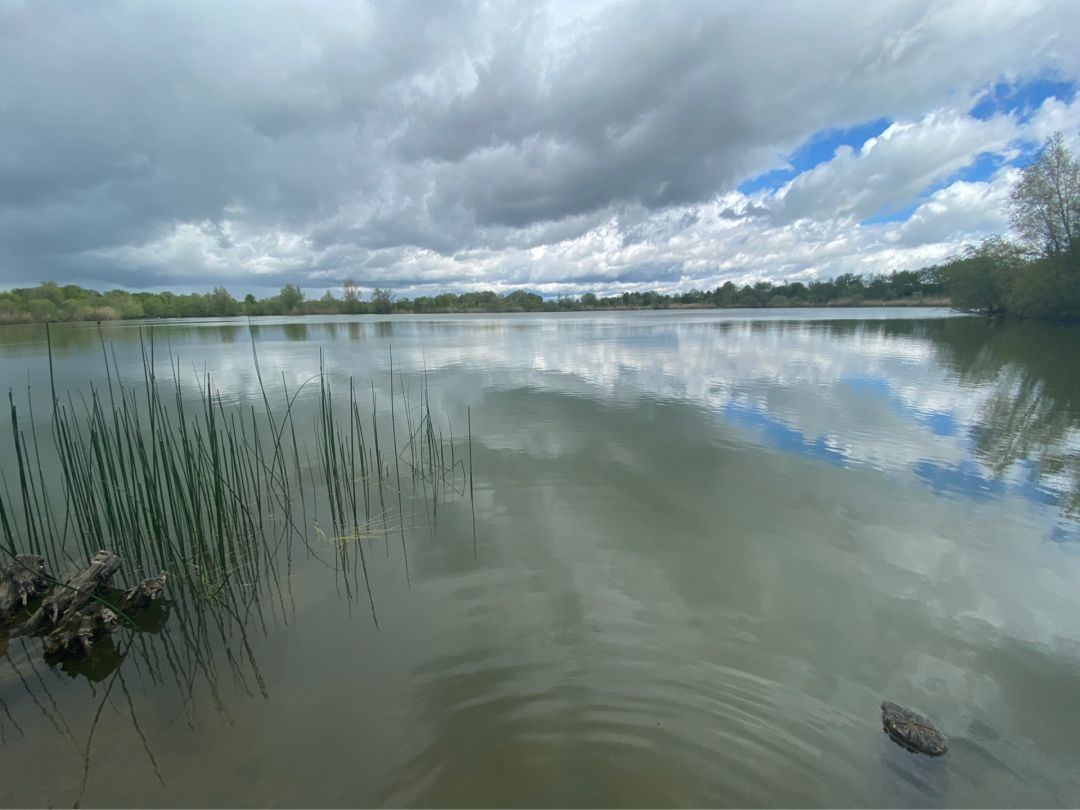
(1031, 420)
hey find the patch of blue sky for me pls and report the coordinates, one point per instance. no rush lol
(818, 148)
(781, 436)
(1026, 153)
(940, 423)
(898, 214)
(1022, 99)
(769, 181)
(980, 169)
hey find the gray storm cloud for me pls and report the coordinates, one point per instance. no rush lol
(456, 145)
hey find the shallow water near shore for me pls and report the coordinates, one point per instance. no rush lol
(702, 547)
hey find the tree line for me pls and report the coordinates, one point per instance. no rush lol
(51, 302)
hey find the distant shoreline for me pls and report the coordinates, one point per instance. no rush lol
(50, 302)
(896, 304)
(902, 302)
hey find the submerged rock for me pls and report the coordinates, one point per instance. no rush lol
(912, 731)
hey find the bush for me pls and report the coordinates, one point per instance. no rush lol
(1047, 289)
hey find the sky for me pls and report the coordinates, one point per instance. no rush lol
(560, 147)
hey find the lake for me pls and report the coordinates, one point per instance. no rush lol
(701, 548)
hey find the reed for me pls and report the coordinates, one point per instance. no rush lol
(218, 493)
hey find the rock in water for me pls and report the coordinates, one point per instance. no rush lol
(912, 731)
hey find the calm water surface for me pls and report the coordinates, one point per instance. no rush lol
(708, 545)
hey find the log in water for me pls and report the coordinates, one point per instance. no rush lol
(21, 583)
(77, 613)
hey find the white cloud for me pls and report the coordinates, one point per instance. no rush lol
(502, 145)
(961, 211)
(1053, 116)
(893, 169)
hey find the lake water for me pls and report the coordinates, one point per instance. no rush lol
(707, 546)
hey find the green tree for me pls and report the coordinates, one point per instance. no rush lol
(327, 305)
(523, 300)
(382, 301)
(352, 295)
(290, 298)
(50, 291)
(984, 279)
(1044, 205)
(222, 303)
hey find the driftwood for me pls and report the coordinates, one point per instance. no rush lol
(65, 600)
(75, 636)
(76, 614)
(20, 583)
(144, 594)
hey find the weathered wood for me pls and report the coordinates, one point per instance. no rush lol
(20, 582)
(144, 594)
(76, 614)
(76, 634)
(75, 594)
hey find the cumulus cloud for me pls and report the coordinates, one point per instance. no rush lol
(892, 169)
(556, 146)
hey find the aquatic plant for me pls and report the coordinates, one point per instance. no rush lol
(218, 492)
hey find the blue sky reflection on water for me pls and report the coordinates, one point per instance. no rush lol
(968, 478)
(779, 435)
(940, 423)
